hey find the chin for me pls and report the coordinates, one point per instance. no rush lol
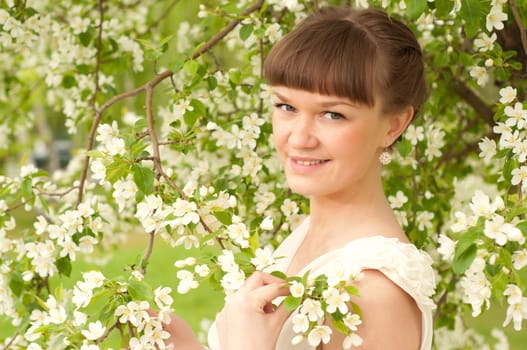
(303, 189)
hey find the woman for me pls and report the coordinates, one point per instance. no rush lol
(346, 84)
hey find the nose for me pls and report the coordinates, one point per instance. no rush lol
(303, 133)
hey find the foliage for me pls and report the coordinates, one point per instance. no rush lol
(188, 159)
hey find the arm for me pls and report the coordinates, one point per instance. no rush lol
(391, 318)
(181, 335)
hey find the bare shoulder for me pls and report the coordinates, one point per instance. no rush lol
(391, 318)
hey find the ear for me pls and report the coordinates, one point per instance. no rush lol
(397, 124)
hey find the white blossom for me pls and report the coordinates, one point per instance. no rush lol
(95, 331)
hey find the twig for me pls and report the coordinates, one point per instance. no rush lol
(107, 333)
(16, 206)
(8, 345)
(227, 29)
(148, 252)
(442, 299)
(143, 158)
(98, 116)
(100, 8)
(166, 12)
(476, 102)
(56, 194)
(519, 23)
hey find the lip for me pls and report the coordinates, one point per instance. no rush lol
(305, 165)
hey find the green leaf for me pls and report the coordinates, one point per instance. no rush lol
(463, 260)
(64, 266)
(190, 117)
(68, 81)
(441, 59)
(415, 8)
(86, 37)
(95, 153)
(116, 170)
(27, 188)
(140, 290)
(443, 7)
(254, 241)
(279, 274)
(143, 178)
(44, 203)
(199, 107)
(466, 59)
(16, 283)
(235, 77)
(404, 147)
(191, 67)
(340, 326)
(471, 13)
(224, 217)
(291, 303)
(212, 83)
(245, 31)
(523, 227)
(140, 125)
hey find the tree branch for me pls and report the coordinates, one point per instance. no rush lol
(166, 12)
(100, 8)
(148, 252)
(470, 97)
(519, 23)
(227, 29)
(442, 299)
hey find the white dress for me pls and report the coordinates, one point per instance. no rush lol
(404, 264)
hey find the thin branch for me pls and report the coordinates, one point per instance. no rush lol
(100, 8)
(476, 102)
(519, 23)
(56, 194)
(8, 345)
(143, 158)
(98, 116)
(149, 250)
(107, 333)
(442, 299)
(227, 29)
(16, 206)
(166, 12)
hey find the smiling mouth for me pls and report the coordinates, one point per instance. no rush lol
(309, 162)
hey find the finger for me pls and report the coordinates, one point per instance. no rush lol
(280, 314)
(263, 296)
(258, 279)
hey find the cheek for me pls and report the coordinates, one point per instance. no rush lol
(278, 133)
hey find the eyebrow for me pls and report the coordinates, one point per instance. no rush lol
(329, 103)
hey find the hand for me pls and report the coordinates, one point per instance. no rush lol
(249, 320)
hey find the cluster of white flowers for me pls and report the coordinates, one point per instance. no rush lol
(485, 43)
(110, 142)
(234, 277)
(308, 319)
(476, 286)
(152, 335)
(517, 309)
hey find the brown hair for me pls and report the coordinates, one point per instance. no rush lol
(358, 54)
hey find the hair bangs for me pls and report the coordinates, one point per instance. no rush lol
(334, 58)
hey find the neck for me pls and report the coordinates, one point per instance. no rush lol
(361, 211)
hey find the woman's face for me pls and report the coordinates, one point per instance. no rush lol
(328, 145)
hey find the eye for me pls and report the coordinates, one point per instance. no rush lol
(333, 116)
(285, 107)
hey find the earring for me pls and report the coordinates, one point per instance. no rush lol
(385, 158)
